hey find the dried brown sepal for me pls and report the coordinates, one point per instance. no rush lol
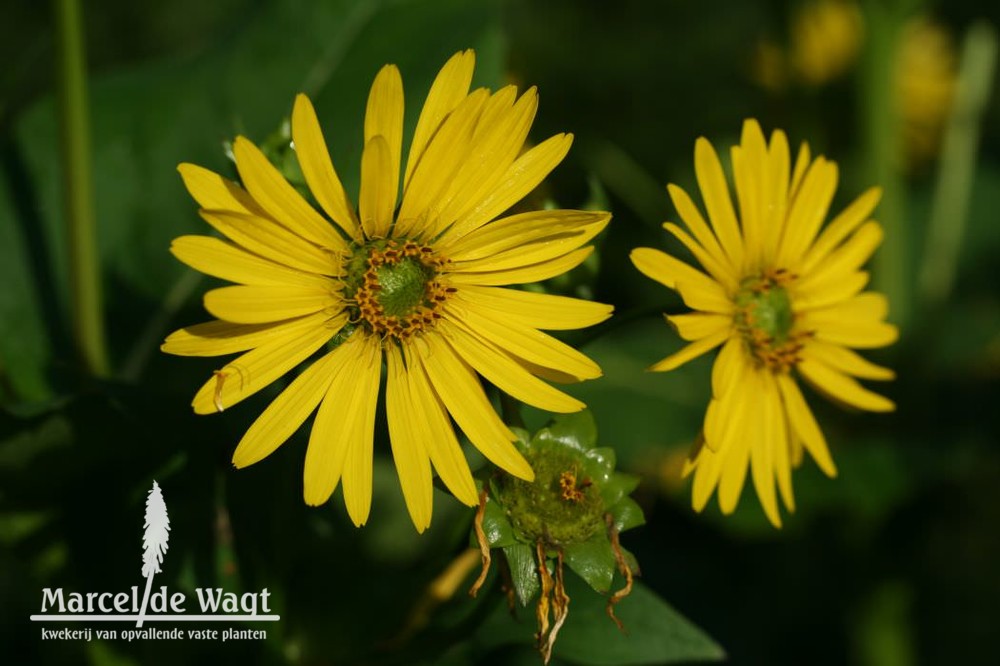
(625, 570)
(542, 610)
(560, 610)
(484, 545)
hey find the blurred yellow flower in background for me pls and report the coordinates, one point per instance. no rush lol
(784, 299)
(826, 38)
(422, 289)
(825, 42)
(926, 70)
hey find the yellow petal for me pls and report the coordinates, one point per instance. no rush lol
(437, 166)
(842, 388)
(719, 271)
(263, 304)
(730, 366)
(734, 455)
(449, 88)
(804, 426)
(771, 435)
(334, 430)
(216, 257)
(270, 189)
(749, 173)
(214, 192)
(342, 437)
(543, 270)
(496, 145)
(846, 361)
(706, 478)
(690, 352)
(456, 383)
(782, 456)
(269, 239)
(775, 195)
(314, 159)
(726, 423)
(696, 223)
(802, 162)
(858, 334)
(697, 289)
(504, 372)
(846, 259)
(430, 418)
(287, 412)
(520, 178)
(829, 292)
(378, 188)
(522, 341)
(842, 226)
(715, 193)
(216, 338)
(259, 367)
(384, 117)
(413, 465)
(807, 211)
(854, 323)
(699, 325)
(544, 311)
(358, 465)
(525, 238)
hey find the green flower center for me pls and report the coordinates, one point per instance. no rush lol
(402, 286)
(395, 287)
(766, 321)
(559, 507)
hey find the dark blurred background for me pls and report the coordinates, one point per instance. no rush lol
(892, 563)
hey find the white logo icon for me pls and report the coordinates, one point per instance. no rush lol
(154, 542)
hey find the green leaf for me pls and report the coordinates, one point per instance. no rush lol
(593, 560)
(656, 633)
(523, 571)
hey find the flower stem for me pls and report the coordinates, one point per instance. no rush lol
(882, 145)
(84, 266)
(956, 171)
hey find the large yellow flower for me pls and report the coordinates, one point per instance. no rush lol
(422, 288)
(785, 301)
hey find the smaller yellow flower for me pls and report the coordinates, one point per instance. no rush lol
(783, 297)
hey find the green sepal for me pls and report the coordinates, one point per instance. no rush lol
(578, 431)
(619, 486)
(627, 514)
(496, 526)
(599, 464)
(523, 571)
(593, 561)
